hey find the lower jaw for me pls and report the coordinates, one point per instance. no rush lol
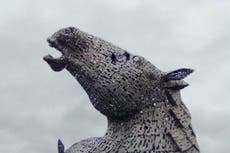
(56, 64)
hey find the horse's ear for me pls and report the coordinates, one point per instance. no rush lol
(61, 147)
(175, 84)
(173, 80)
(178, 74)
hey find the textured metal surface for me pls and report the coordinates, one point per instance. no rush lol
(143, 104)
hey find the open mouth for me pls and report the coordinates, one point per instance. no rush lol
(56, 64)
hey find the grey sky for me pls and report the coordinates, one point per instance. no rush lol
(39, 106)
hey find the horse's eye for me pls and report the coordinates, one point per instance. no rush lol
(120, 58)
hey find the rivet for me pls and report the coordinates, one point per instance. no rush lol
(154, 103)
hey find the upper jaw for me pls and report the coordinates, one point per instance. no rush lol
(52, 43)
(56, 64)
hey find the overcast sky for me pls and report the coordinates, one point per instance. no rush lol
(38, 106)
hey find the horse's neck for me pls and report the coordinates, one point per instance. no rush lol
(138, 124)
(145, 130)
(165, 126)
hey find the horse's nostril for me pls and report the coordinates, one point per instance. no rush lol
(51, 39)
(51, 42)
